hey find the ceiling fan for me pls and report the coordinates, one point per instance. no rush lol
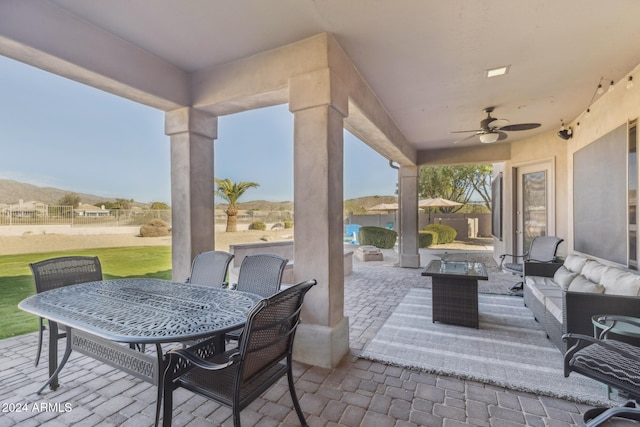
(492, 129)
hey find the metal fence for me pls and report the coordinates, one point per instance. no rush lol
(41, 214)
(273, 218)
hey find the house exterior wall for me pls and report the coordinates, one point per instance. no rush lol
(609, 111)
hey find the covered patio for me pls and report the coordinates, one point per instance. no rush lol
(357, 392)
(401, 76)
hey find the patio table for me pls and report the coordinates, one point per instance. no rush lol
(100, 316)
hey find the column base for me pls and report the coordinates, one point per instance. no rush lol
(321, 345)
(410, 261)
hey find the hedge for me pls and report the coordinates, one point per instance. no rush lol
(377, 236)
(446, 234)
(427, 238)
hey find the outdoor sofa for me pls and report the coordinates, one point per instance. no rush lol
(565, 297)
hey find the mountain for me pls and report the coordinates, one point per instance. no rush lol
(12, 192)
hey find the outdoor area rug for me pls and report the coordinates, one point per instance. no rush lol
(508, 350)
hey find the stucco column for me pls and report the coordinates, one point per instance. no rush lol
(319, 107)
(408, 214)
(192, 185)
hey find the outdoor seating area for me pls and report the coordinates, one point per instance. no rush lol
(357, 392)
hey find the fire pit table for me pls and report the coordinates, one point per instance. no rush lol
(455, 291)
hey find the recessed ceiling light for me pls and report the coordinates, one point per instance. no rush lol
(498, 71)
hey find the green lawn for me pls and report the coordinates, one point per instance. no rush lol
(16, 282)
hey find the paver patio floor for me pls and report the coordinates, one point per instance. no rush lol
(356, 393)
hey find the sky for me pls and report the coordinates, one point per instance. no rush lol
(55, 132)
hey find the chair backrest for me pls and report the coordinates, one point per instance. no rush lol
(64, 271)
(543, 248)
(269, 331)
(210, 268)
(261, 274)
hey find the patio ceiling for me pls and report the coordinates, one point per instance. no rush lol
(425, 59)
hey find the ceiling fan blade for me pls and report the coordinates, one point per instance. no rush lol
(520, 126)
(465, 131)
(465, 138)
(502, 135)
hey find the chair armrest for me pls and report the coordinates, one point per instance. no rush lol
(192, 357)
(543, 269)
(513, 257)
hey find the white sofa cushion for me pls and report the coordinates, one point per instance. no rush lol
(540, 281)
(582, 284)
(624, 284)
(563, 277)
(593, 270)
(574, 263)
(553, 304)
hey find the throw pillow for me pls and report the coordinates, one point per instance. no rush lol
(574, 263)
(582, 284)
(593, 270)
(626, 284)
(563, 277)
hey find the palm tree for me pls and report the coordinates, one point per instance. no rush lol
(231, 192)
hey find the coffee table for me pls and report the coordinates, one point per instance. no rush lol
(454, 297)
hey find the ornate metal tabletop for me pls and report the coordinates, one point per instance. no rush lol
(143, 310)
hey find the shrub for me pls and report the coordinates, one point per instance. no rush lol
(427, 238)
(155, 228)
(378, 237)
(446, 234)
(288, 224)
(258, 225)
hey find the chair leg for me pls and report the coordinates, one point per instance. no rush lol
(40, 330)
(236, 416)
(517, 287)
(294, 397)
(167, 402)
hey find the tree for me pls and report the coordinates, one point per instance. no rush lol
(159, 206)
(123, 204)
(70, 199)
(231, 192)
(457, 183)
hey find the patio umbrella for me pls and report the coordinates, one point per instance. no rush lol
(438, 202)
(384, 207)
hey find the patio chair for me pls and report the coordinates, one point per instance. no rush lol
(237, 377)
(64, 271)
(542, 249)
(210, 268)
(612, 362)
(259, 274)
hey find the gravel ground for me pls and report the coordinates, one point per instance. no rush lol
(35, 243)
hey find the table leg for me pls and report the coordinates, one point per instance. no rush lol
(54, 368)
(163, 363)
(53, 355)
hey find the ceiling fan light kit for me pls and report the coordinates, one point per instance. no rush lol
(488, 138)
(492, 129)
